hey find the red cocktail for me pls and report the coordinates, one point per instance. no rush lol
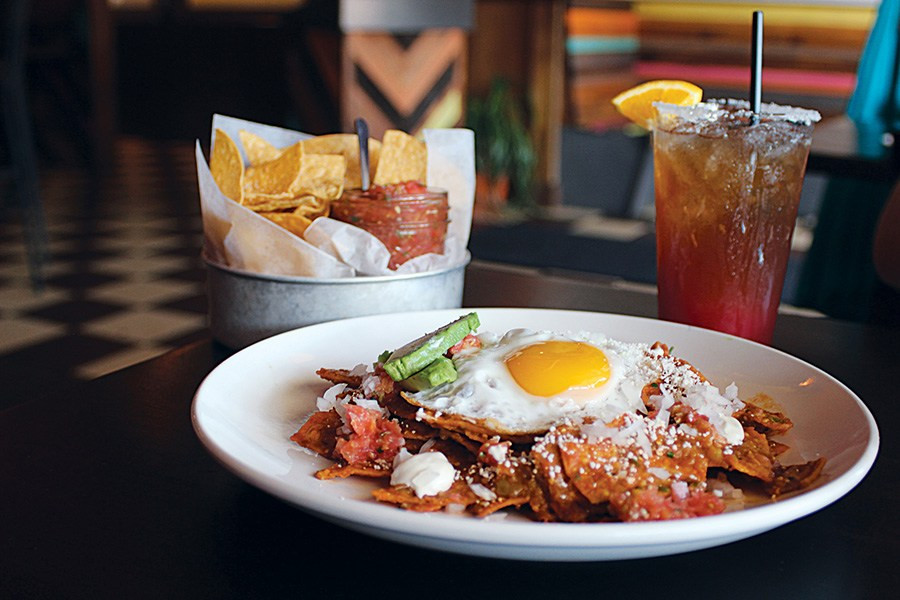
(727, 190)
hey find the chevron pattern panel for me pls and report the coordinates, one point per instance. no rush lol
(406, 82)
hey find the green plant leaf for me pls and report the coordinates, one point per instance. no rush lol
(502, 144)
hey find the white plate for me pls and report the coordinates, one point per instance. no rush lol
(247, 408)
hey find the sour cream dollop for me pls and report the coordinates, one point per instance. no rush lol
(427, 473)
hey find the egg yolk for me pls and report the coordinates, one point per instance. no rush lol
(548, 368)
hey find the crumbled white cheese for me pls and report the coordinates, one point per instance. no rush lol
(370, 404)
(482, 492)
(498, 452)
(329, 399)
(659, 473)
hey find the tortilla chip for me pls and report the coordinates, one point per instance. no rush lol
(346, 145)
(275, 176)
(404, 497)
(227, 166)
(320, 175)
(768, 422)
(753, 457)
(480, 430)
(558, 499)
(312, 207)
(403, 158)
(271, 202)
(319, 433)
(258, 150)
(343, 471)
(293, 222)
(795, 477)
(374, 157)
(342, 144)
(340, 376)
(305, 206)
(457, 454)
(483, 509)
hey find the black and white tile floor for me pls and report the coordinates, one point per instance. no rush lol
(123, 282)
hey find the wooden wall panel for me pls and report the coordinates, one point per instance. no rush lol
(404, 82)
(500, 46)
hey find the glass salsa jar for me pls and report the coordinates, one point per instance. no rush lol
(408, 218)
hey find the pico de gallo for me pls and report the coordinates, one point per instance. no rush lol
(409, 218)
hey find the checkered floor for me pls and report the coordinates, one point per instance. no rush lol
(123, 281)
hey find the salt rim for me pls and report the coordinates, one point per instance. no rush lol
(709, 110)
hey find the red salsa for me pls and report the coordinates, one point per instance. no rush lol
(373, 437)
(409, 218)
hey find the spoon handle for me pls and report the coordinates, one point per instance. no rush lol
(362, 132)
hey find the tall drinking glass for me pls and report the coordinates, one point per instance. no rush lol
(727, 191)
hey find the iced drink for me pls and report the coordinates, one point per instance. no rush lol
(727, 189)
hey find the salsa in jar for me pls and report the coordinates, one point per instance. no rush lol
(409, 218)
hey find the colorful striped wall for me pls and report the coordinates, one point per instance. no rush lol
(810, 59)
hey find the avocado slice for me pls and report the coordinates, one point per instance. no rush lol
(418, 354)
(440, 371)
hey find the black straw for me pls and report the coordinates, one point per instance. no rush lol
(756, 65)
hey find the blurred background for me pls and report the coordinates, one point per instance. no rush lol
(156, 69)
(104, 100)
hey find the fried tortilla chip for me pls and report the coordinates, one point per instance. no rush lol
(585, 464)
(272, 202)
(257, 149)
(346, 145)
(312, 207)
(294, 223)
(506, 479)
(374, 158)
(414, 430)
(559, 498)
(275, 176)
(777, 448)
(319, 433)
(320, 175)
(458, 455)
(227, 166)
(340, 376)
(483, 509)
(765, 421)
(795, 477)
(479, 430)
(404, 497)
(343, 471)
(403, 158)
(753, 457)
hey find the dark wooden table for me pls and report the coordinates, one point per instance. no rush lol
(105, 491)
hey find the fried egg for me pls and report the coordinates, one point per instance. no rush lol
(527, 381)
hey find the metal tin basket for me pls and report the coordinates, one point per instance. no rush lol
(246, 307)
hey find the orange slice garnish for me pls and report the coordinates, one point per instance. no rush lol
(637, 103)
